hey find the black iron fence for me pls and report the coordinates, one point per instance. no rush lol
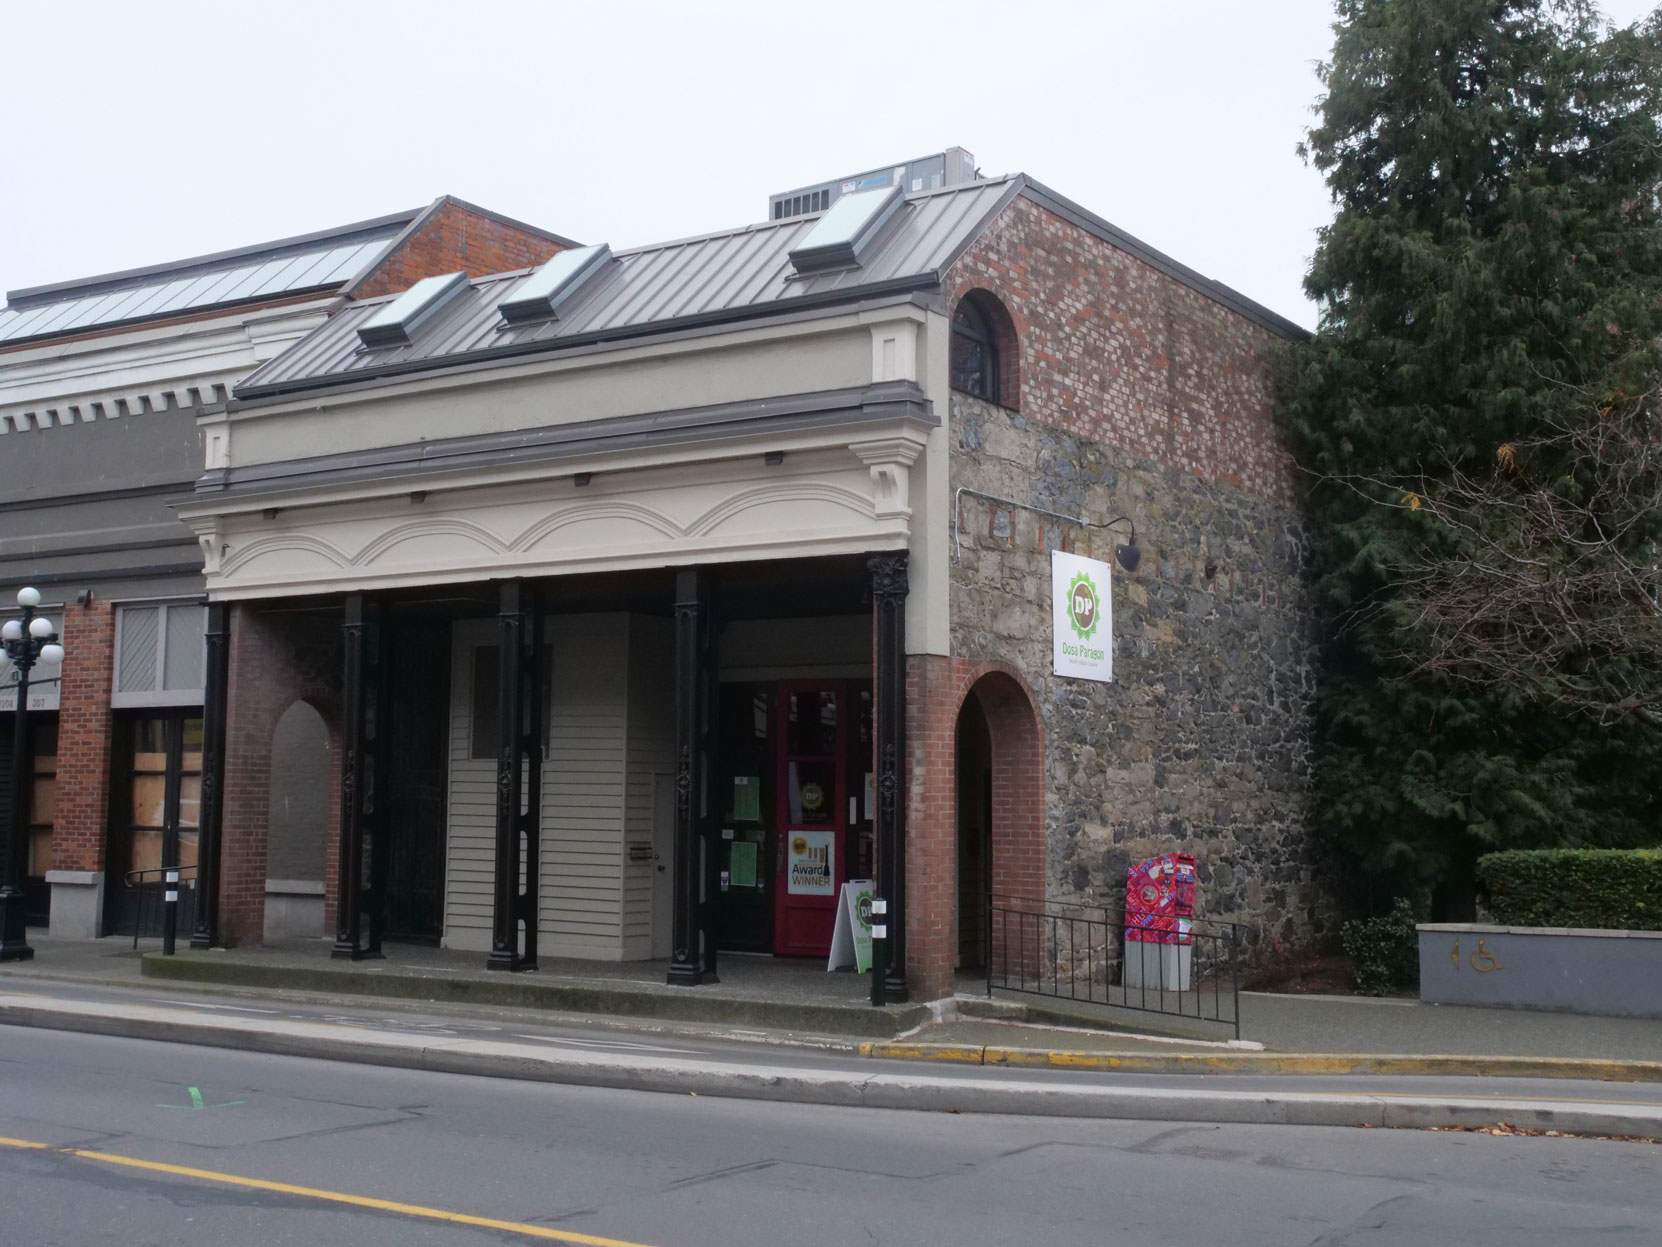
(143, 905)
(1080, 953)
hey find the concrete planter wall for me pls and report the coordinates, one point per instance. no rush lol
(1610, 973)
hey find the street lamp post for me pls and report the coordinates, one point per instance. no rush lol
(28, 639)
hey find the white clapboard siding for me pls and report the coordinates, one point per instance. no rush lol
(651, 751)
(470, 844)
(581, 908)
(819, 647)
(610, 728)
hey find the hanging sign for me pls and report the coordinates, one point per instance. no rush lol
(1082, 617)
(808, 869)
(851, 939)
(43, 687)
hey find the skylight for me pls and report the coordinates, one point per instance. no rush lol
(839, 236)
(394, 323)
(540, 295)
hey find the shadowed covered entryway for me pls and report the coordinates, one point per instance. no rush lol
(999, 765)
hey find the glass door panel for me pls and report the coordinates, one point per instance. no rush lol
(160, 799)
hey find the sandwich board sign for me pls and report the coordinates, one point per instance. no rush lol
(851, 938)
(1082, 617)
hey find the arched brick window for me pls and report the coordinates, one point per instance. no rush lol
(984, 360)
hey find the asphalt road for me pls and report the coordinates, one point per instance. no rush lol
(681, 1171)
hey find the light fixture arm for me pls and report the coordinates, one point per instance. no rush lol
(1128, 554)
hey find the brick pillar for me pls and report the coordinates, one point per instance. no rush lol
(80, 827)
(931, 824)
(78, 832)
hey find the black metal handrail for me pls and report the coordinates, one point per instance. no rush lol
(1056, 949)
(138, 878)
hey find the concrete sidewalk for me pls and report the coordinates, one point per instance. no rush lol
(798, 1003)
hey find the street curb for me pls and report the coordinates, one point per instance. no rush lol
(1292, 1064)
(915, 1092)
(670, 1004)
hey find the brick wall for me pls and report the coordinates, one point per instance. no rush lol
(936, 688)
(276, 659)
(79, 829)
(457, 238)
(1116, 352)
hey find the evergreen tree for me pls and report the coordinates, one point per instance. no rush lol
(1489, 292)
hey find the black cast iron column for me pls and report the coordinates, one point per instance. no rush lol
(360, 736)
(205, 934)
(14, 941)
(518, 781)
(687, 964)
(888, 600)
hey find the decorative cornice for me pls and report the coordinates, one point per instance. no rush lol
(555, 449)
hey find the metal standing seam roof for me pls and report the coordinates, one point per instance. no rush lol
(287, 267)
(730, 274)
(308, 270)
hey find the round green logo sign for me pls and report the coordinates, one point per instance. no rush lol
(1084, 607)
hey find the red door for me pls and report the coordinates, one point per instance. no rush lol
(812, 814)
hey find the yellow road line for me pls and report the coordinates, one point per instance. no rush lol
(335, 1197)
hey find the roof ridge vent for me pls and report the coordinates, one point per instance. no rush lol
(838, 237)
(394, 324)
(540, 295)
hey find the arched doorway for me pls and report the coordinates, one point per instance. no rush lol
(1000, 767)
(297, 822)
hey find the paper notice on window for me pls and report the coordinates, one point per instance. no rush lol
(741, 863)
(747, 798)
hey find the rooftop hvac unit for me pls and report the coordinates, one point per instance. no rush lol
(949, 168)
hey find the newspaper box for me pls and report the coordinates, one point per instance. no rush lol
(1159, 902)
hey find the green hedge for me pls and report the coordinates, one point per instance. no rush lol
(1385, 951)
(1610, 889)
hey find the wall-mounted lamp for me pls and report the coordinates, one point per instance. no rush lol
(83, 599)
(581, 478)
(774, 458)
(270, 513)
(1127, 555)
(417, 497)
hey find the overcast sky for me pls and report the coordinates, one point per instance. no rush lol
(137, 133)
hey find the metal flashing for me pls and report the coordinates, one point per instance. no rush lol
(394, 323)
(845, 229)
(374, 371)
(540, 295)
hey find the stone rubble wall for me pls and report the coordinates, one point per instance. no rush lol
(1202, 744)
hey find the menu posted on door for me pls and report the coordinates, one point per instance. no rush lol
(808, 868)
